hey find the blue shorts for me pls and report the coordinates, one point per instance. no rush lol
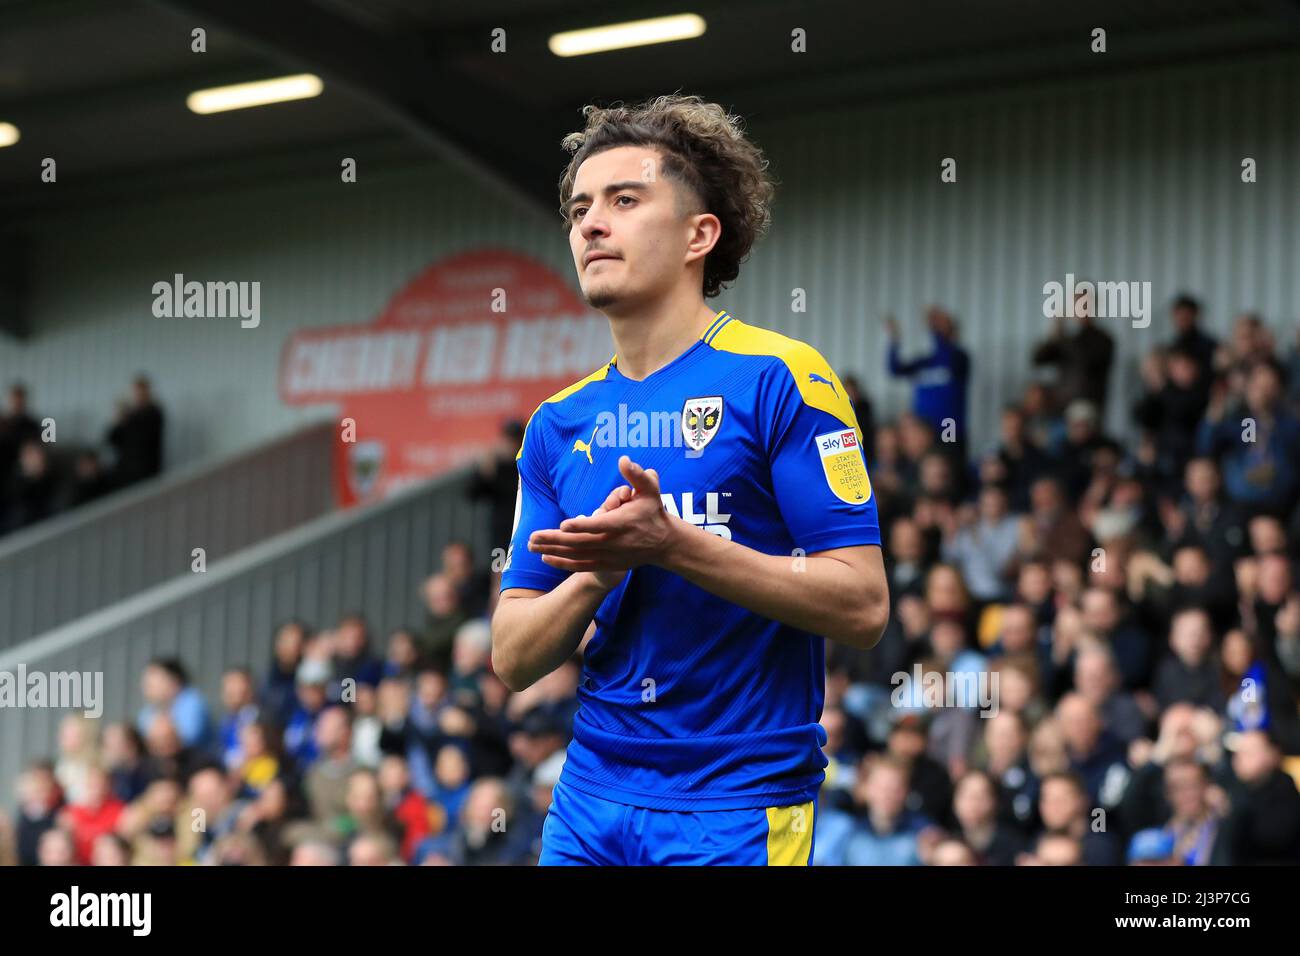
(582, 830)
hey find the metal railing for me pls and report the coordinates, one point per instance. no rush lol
(76, 563)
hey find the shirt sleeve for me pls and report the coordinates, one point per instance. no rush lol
(536, 508)
(819, 472)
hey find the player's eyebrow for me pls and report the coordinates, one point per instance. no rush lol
(611, 188)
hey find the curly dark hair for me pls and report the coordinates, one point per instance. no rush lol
(703, 148)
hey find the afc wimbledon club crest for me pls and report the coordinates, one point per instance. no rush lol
(846, 469)
(700, 420)
(365, 463)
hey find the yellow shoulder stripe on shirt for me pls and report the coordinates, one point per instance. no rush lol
(818, 384)
(562, 394)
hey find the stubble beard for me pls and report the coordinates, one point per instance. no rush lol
(601, 297)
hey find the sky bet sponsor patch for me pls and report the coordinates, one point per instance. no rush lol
(846, 469)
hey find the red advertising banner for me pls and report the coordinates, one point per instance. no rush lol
(473, 340)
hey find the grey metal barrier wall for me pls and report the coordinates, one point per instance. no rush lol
(100, 553)
(371, 559)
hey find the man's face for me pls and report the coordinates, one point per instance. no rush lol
(351, 637)
(1003, 738)
(1100, 610)
(1183, 370)
(236, 690)
(953, 853)
(1184, 318)
(1255, 757)
(1059, 851)
(974, 802)
(1035, 400)
(157, 686)
(1045, 499)
(1013, 427)
(1191, 567)
(1262, 389)
(394, 775)
(915, 437)
(1266, 535)
(624, 206)
(1190, 637)
(993, 504)
(456, 561)
(1185, 790)
(936, 477)
(1059, 804)
(906, 742)
(1080, 430)
(482, 805)
(440, 594)
(1178, 730)
(1202, 480)
(331, 731)
(311, 696)
(1092, 675)
(1079, 724)
(32, 459)
(1035, 584)
(288, 643)
(940, 322)
(886, 790)
(208, 790)
(1274, 580)
(161, 738)
(362, 797)
(1018, 630)
(943, 590)
(366, 851)
(906, 540)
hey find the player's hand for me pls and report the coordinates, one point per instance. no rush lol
(610, 579)
(630, 528)
(619, 496)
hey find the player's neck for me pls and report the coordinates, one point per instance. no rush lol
(650, 339)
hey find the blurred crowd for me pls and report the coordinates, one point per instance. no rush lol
(38, 480)
(1094, 657)
(331, 754)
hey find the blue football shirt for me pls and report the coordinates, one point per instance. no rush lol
(688, 701)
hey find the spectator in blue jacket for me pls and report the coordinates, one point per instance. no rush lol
(239, 704)
(940, 378)
(166, 689)
(886, 834)
(279, 692)
(1257, 444)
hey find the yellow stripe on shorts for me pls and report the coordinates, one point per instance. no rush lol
(789, 835)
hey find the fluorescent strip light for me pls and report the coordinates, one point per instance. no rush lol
(619, 36)
(243, 95)
(8, 134)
